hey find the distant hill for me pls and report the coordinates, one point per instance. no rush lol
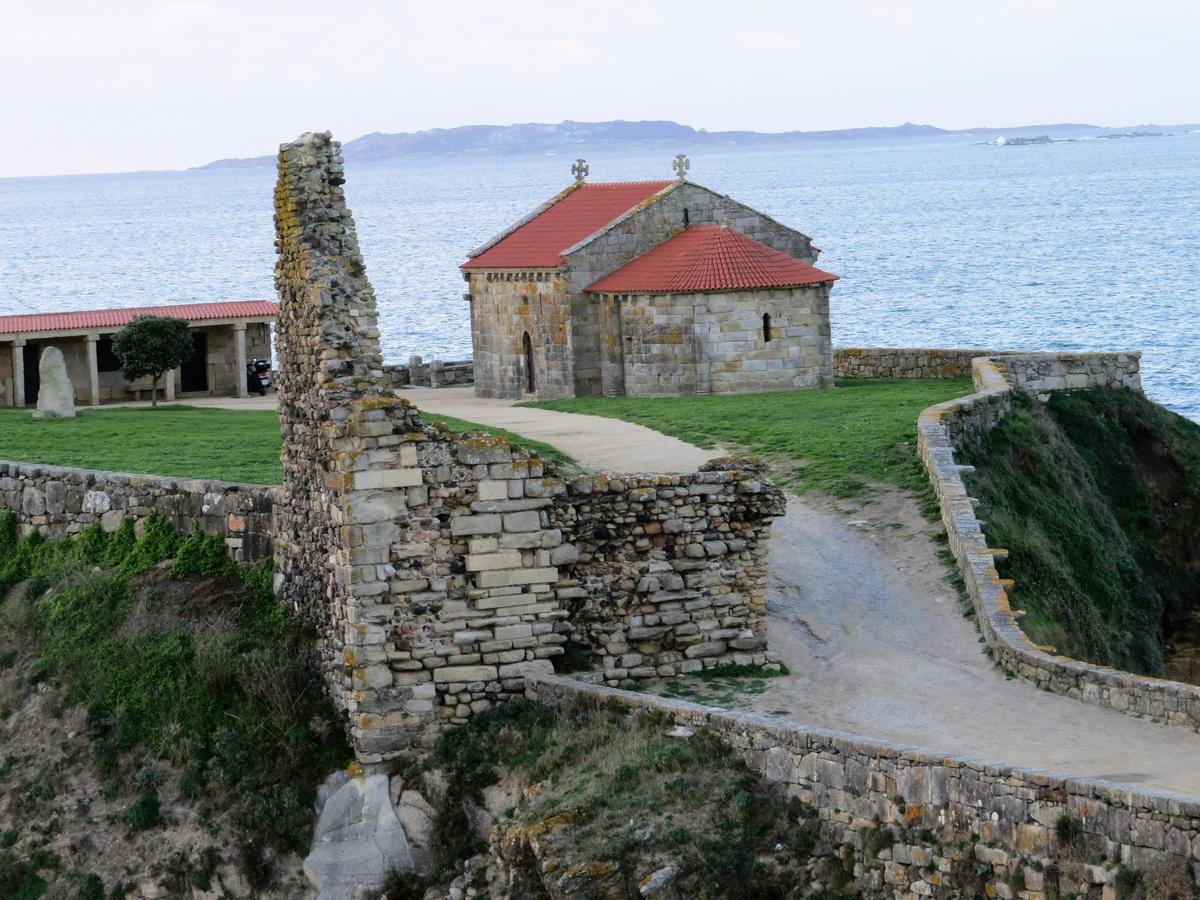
(568, 136)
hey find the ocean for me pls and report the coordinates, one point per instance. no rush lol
(1083, 245)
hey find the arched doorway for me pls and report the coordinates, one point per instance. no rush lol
(530, 377)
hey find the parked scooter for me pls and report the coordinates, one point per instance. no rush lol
(258, 376)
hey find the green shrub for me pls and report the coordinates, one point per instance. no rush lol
(203, 554)
(158, 542)
(85, 885)
(91, 544)
(119, 544)
(236, 707)
(1067, 830)
(144, 812)
(19, 878)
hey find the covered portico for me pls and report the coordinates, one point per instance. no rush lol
(225, 336)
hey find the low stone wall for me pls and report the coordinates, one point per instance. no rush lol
(60, 501)
(905, 362)
(945, 427)
(435, 373)
(665, 574)
(911, 822)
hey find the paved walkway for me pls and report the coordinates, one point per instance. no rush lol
(872, 633)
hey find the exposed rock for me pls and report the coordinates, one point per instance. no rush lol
(56, 394)
(357, 841)
(660, 884)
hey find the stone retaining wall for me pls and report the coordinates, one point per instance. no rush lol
(941, 430)
(59, 501)
(918, 822)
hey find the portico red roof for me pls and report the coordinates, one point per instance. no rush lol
(539, 243)
(116, 318)
(709, 258)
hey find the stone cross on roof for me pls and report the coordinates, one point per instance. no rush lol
(580, 170)
(681, 164)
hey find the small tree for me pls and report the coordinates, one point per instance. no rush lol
(152, 345)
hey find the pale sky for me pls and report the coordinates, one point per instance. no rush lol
(152, 84)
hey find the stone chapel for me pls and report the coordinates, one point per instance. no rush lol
(647, 288)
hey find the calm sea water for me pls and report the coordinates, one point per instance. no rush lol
(1088, 245)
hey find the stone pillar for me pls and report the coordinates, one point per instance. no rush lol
(169, 386)
(239, 352)
(18, 368)
(93, 369)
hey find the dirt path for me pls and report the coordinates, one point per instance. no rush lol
(594, 442)
(877, 646)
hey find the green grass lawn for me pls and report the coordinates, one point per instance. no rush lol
(840, 441)
(178, 441)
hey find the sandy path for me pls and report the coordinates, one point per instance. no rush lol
(595, 442)
(877, 646)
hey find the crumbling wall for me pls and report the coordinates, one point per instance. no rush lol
(666, 574)
(439, 568)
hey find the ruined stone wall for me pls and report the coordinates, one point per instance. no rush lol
(646, 227)
(61, 502)
(506, 305)
(666, 574)
(905, 362)
(435, 373)
(911, 822)
(946, 427)
(429, 561)
(682, 344)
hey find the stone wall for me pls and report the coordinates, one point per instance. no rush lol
(948, 426)
(905, 362)
(435, 373)
(440, 569)
(911, 822)
(60, 502)
(507, 305)
(666, 574)
(713, 343)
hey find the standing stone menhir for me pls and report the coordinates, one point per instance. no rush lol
(56, 394)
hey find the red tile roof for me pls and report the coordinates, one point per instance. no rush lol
(539, 243)
(709, 258)
(115, 318)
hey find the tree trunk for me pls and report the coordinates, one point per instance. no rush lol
(154, 392)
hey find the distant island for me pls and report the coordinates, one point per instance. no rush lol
(1004, 141)
(578, 137)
